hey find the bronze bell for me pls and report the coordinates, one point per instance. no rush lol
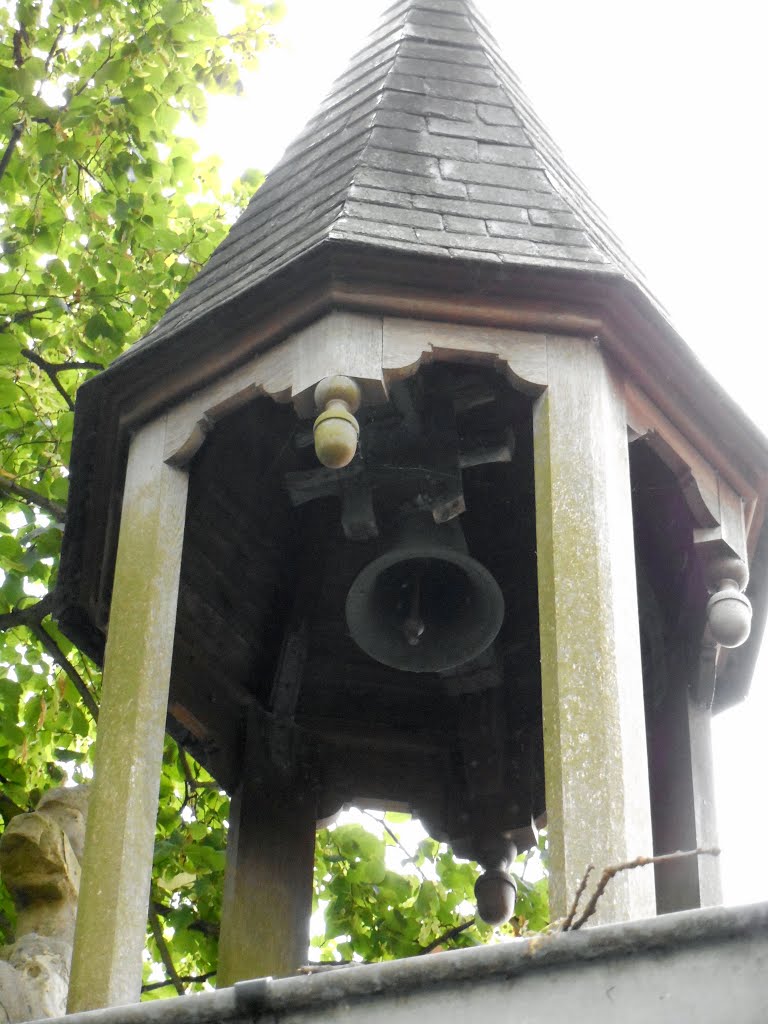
(425, 605)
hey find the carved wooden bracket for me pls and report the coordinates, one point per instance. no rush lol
(721, 513)
(721, 509)
(374, 351)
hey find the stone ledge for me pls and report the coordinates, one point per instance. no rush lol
(703, 966)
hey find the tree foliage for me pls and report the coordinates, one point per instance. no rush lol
(105, 215)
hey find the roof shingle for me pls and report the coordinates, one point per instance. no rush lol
(426, 143)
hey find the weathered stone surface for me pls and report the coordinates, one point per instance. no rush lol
(553, 218)
(482, 132)
(41, 967)
(489, 174)
(37, 861)
(381, 213)
(68, 806)
(15, 1003)
(497, 115)
(40, 864)
(470, 225)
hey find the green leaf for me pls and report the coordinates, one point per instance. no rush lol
(9, 393)
(10, 350)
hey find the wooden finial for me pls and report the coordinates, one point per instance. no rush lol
(336, 430)
(729, 611)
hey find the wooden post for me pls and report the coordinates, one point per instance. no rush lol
(268, 883)
(683, 802)
(598, 807)
(117, 863)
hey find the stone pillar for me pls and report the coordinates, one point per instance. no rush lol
(598, 807)
(112, 915)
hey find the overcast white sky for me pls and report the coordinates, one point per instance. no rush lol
(660, 107)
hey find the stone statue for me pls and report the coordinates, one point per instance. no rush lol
(40, 856)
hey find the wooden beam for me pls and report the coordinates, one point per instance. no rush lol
(117, 864)
(598, 806)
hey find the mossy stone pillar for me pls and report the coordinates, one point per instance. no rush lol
(117, 864)
(598, 804)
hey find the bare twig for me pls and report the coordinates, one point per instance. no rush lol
(9, 486)
(165, 953)
(629, 865)
(579, 893)
(58, 656)
(452, 933)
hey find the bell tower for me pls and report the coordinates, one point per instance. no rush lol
(414, 498)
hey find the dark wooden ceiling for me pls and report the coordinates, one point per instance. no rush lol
(261, 619)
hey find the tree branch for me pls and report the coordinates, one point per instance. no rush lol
(45, 366)
(13, 141)
(9, 486)
(452, 933)
(185, 979)
(54, 47)
(83, 85)
(9, 809)
(54, 369)
(209, 928)
(66, 665)
(165, 953)
(90, 174)
(30, 616)
(396, 840)
(21, 318)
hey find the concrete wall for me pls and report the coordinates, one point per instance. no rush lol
(704, 966)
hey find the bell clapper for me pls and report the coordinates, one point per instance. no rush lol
(413, 627)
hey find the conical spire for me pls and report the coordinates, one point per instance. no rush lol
(428, 144)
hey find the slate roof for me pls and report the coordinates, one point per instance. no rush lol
(427, 143)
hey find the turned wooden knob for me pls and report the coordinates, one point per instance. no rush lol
(336, 430)
(729, 611)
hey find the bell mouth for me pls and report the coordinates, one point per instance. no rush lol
(424, 611)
